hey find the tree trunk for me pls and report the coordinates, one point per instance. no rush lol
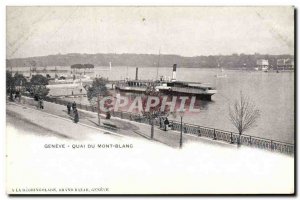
(239, 140)
(98, 110)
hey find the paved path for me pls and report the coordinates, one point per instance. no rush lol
(125, 127)
(46, 123)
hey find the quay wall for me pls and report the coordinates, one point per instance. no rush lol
(197, 130)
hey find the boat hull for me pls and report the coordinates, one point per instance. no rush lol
(202, 96)
(131, 89)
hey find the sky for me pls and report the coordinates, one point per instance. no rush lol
(186, 31)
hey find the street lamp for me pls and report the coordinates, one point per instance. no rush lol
(20, 90)
(181, 114)
(98, 109)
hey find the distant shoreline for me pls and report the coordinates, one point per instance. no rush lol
(104, 67)
(233, 61)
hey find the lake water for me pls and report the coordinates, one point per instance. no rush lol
(273, 94)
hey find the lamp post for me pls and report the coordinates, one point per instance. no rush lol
(11, 85)
(98, 109)
(21, 87)
(181, 114)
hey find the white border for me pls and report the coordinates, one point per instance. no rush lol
(5, 3)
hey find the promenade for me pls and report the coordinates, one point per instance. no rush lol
(206, 166)
(28, 110)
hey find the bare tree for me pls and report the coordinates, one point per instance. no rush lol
(154, 111)
(243, 114)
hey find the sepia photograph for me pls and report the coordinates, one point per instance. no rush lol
(150, 100)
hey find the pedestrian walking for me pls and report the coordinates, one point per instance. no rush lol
(11, 96)
(76, 116)
(166, 122)
(41, 104)
(74, 106)
(69, 107)
(161, 122)
(16, 96)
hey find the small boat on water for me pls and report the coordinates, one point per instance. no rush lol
(169, 87)
(222, 73)
(265, 69)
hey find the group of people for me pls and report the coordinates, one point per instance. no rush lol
(16, 96)
(74, 110)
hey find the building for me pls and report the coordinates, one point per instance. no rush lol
(262, 64)
(78, 70)
(285, 64)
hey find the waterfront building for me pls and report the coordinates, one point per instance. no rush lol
(82, 69)
(285, 64)
(262, 64)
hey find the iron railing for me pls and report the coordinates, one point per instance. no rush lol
(200, 131)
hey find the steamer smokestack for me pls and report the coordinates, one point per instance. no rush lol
(174, 72)
(136, 73)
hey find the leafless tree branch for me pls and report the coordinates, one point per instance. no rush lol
(243, 114)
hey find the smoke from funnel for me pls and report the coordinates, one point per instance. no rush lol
(174, 72)
(136, 73)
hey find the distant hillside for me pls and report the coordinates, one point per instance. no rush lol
(146, 60)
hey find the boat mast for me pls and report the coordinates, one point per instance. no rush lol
(157, 64)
